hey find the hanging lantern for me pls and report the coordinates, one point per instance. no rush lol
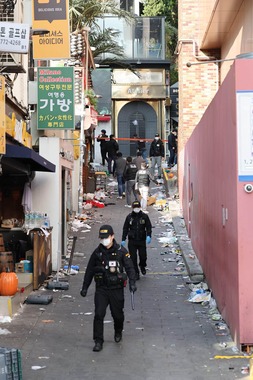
(8, 284)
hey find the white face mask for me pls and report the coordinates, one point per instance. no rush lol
(106, 242)
(136, 210)
(156, 138)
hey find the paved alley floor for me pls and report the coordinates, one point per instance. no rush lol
(165, 337)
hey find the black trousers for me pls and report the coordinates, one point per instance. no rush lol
(115, 299)
(103, 155)
(172, 157)
(135, 248)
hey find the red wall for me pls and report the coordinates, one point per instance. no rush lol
(211, 190)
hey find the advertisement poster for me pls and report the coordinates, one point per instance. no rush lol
(52, 17)
(56, 98)
(245, 135)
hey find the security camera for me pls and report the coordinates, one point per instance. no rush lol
(248, 188)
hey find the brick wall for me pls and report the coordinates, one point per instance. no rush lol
(197, 84)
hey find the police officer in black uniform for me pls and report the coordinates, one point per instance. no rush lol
(138, 229)
(103, 138)
(106, 265)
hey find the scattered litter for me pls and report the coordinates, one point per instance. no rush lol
(213, 311)
(221, 326)
(200, 285)
(139, 328)
(79, 254)
(167, 240)
(179, 269)
(47, 321)
(89, 313)
(4, 331)
(199, 297)
(43, 357)
(36, 367)
(245, 370)
(235, 349)
(5, 319)
(169, 260)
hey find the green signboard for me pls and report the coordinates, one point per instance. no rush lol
(56, 98)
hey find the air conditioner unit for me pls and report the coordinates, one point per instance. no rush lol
(11, 63)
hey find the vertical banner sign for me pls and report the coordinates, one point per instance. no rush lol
(51, 16)
(56, 98)
(2, 116)
(244, 104)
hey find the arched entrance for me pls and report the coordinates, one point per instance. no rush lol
(136, 117)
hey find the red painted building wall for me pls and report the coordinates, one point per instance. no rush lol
(217, 211)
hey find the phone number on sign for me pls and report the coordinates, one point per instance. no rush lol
(10, 42)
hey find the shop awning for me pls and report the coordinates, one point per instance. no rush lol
(28, 157)
(104, 118)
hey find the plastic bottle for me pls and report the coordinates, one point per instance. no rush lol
(46, 220)
(32, 220)
(27, 220)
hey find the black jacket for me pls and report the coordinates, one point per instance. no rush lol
(120, 164)
(156, 148)
(98, 267)
(111, 148)
(137, 227)
(172, 141)
(103, 140)
(130, 171)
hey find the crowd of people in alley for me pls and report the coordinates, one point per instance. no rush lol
(134, 174)
(111, 263)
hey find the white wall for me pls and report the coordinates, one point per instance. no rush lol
(47, 191)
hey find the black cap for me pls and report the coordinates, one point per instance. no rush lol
(157, 135)
(105, 231)
(136, 204)
(103, 130)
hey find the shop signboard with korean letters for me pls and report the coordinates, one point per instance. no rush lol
(14, 37)
(51, 16)
(56, 98)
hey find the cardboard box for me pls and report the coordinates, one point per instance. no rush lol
(24, 267)
(161, 202)
(151, 200)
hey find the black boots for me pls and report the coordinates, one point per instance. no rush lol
(98, 347)
(117, 337)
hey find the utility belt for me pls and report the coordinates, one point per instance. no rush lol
(111, 280)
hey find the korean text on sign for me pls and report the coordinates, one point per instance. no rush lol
(14, 38)
(56, 98)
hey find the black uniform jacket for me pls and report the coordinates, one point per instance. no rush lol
(137, 226)
(100, 262)
(156, 148)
